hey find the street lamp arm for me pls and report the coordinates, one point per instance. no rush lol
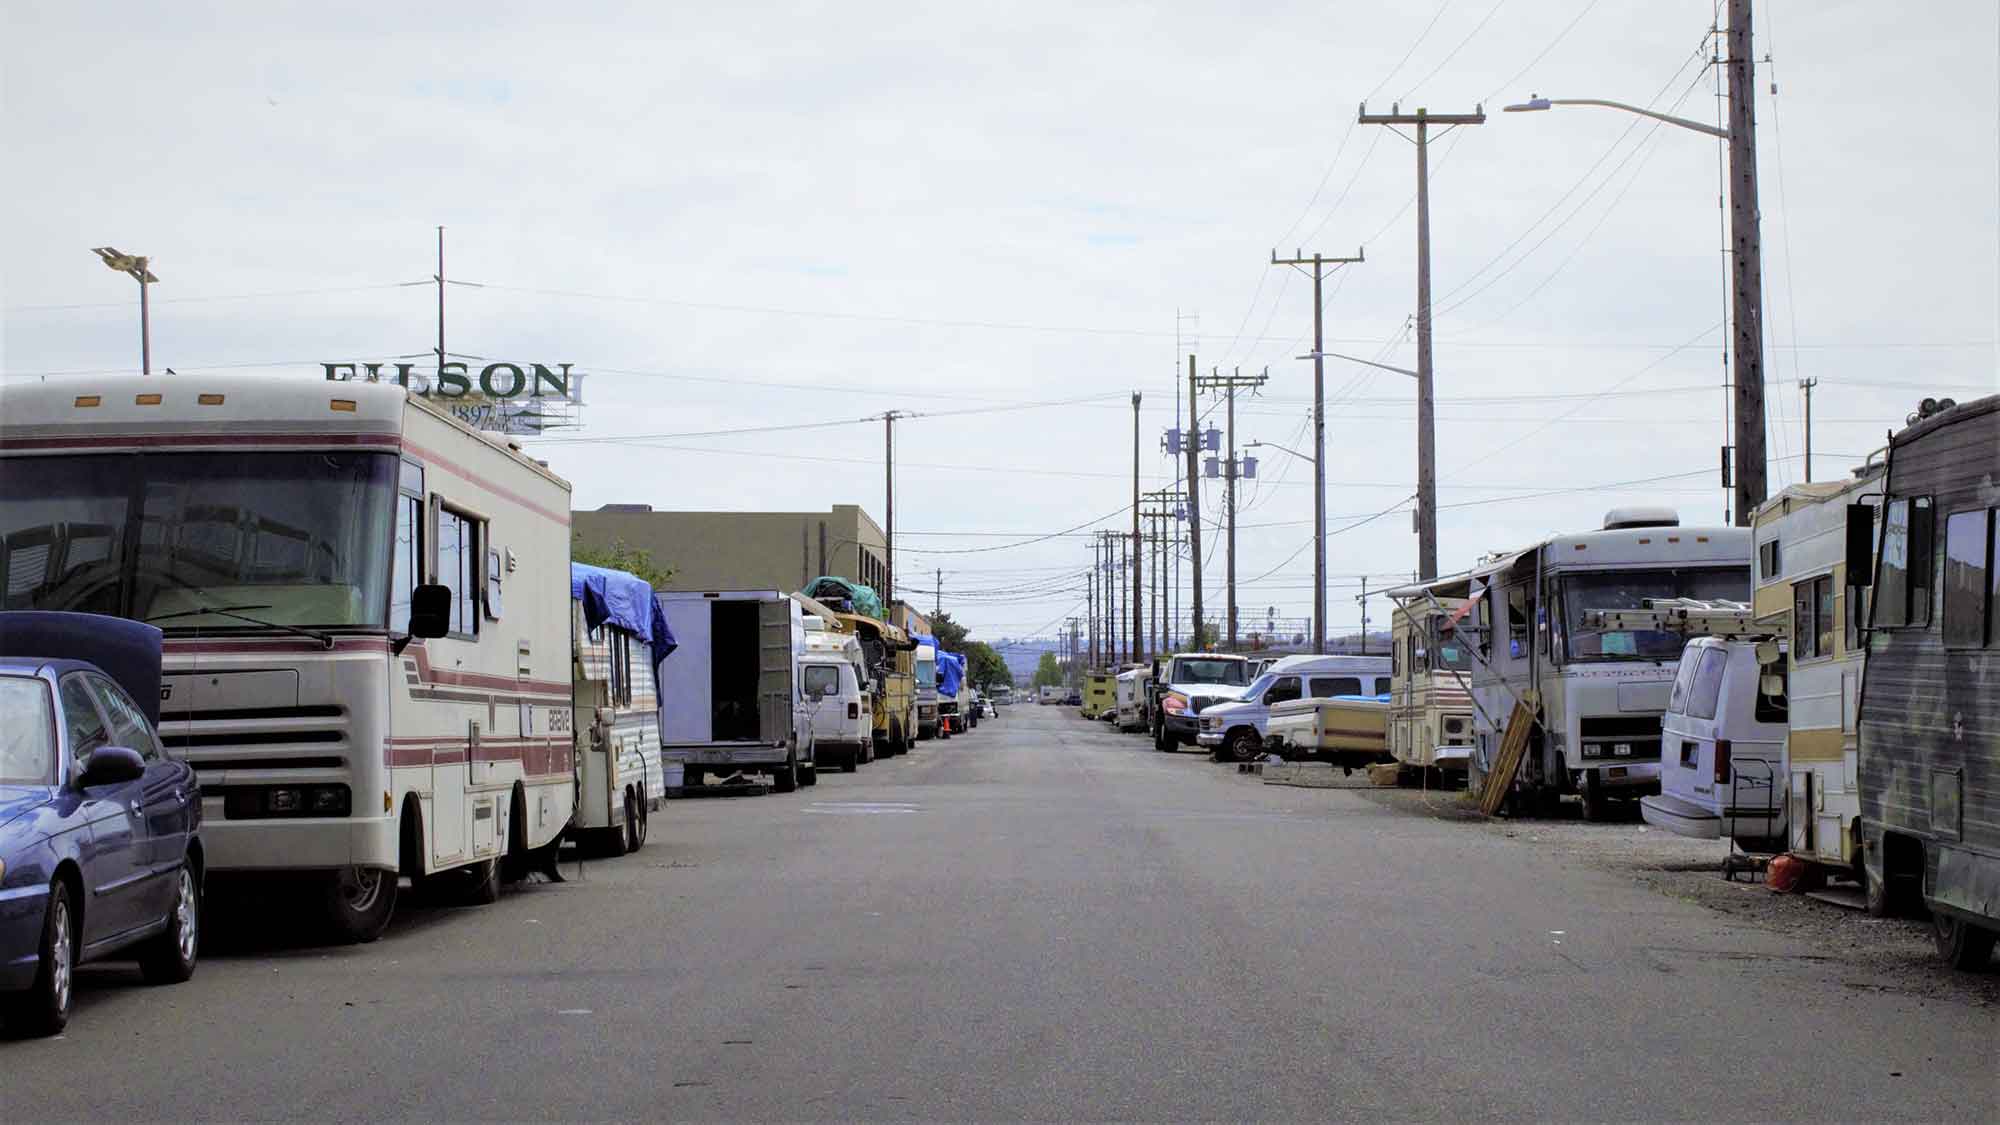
(1279, 448)
(1684, 122)
(1363, 362)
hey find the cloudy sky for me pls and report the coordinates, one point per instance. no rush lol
(1011, 217)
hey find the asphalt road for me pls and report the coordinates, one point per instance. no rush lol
(1043, 920)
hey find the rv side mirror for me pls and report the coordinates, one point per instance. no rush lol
(1860, 545)
(430, 610)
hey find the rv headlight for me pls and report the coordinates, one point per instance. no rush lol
(1593, 749)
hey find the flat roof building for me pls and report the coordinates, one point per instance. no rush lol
(745, 550)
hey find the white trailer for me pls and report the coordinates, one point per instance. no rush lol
(614, 654)
(327, 561)
(729, 699)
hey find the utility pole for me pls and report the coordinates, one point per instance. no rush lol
(1319, 264)
(1426, 413)
(889, 504)
(1807, 386)
(937, 603)
(1228, 384)
(1161, 511)
(1363, 599)
(1194, 507)
(1138, 569)
(440, 281)
(1746, 267)
(1090, 607)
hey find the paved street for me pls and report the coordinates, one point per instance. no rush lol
(1041, 920)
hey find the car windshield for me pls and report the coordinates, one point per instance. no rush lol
(1199, 671)
(289, 538)
(27, 732)
(1259, 686)
(1625, 590)
(926, 673)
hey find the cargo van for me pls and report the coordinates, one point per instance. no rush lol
(1235, 730)
(730, 699)
(833, 680)
(1722, 751)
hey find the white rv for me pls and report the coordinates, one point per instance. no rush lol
(1593, 695)
(729, 699)
(366, 612)
(833, 677)
(614, 654)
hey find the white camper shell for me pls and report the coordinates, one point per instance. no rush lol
(1131, 695)
(729, 698)
(1237, 728)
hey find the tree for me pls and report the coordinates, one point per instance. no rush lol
(620, 555)
(950, 634)
(984, 666)
(1048, 673)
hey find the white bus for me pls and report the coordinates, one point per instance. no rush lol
(1596, 695)
(328, 562)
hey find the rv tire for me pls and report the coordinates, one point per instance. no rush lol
(1964, 946)
(634, 834)
(356, 903)
(1596, 807)
(785, 778)
(477, 884)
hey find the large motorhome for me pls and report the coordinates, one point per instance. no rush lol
(1595, 696)
(328, 562)
(890, 656)
(730, 699)
(1929, 739)
(1804, 595)
(924, 668)
(1430, 708)
(618, 637)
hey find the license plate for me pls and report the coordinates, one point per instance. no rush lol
(1622, 750)
(1615, 771)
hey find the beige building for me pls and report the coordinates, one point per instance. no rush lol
(744, 550)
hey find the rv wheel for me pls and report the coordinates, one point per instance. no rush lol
(634, 833)
(785, 778)
(1963, 945)
(356, 903)
(809, 775)
(1596, 806)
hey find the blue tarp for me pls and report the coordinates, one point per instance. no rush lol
(625, 601)
(924, 639)
(951, 672)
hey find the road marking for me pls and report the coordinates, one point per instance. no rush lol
(859, 808)
(572, 1011)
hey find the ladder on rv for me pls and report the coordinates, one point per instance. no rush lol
(1693, 616)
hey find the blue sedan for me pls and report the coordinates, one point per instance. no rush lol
(100, 849)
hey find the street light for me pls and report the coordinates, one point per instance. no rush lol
(1537, 103)
(1745, 251)
(1279, 448)
(1362, 362)
(136, 267)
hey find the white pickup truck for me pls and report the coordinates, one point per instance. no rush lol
(1236, 731)
(1188, 684)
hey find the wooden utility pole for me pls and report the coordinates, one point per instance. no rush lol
(1746, 267)
(1363, 599)
(1807, 386)
(1191, 446)
(1319, 264)
(937, 603)
(1138, 569)
(1228, 384)
(1423, 120)
(889, 507)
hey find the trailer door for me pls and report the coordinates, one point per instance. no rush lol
(774, 670)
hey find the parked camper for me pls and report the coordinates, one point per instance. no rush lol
(618, 636)
(1100, 694)
(1132, 696)
(327, 561)
(1430, 717)
(1349, 730)
(1804, 593)
(950, 686)
(730, 700)
(1236, 729)
(833, 678)
(889, 655)
(1930, 704)
(924, 666)
(1050, 693)
(1594, 697)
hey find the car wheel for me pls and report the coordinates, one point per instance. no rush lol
(785, 778)
(1963, 945)
(1161, 742)
(44, 1008)
(357, 902)
(852, 761)
(1596, 807)
(170, 957)
(809, 775)
(1244, 746)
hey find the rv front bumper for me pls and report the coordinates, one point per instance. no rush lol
(289, 845)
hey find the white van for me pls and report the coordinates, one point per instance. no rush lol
(836, 694)
(1236, 729)
(729, 699)
(1722, 752)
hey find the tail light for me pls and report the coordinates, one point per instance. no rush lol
(854, 710)
(1721, 760)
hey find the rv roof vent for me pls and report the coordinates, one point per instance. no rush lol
(1620, 518)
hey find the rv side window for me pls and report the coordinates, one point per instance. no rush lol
(1812, 618)
(1706, 691)
(1769, 562)
(1857, 615)
(1382, 685)
(408, 562)
(620, 644)
(1902, 594)
(1967, 570)
(458, 569)
(1517, 621)
(1486, 623)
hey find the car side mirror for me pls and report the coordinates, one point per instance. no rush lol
(1860, 545)
(430, 610)
(111, 765)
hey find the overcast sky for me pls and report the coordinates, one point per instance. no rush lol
(755, 215)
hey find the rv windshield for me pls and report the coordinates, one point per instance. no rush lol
(926, 673)
(1233, 673)
(1450, 651)
(304, 538)
(1624, 590)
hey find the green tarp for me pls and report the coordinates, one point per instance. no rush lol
(831, 591)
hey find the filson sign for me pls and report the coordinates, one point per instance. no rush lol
(456, 380)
